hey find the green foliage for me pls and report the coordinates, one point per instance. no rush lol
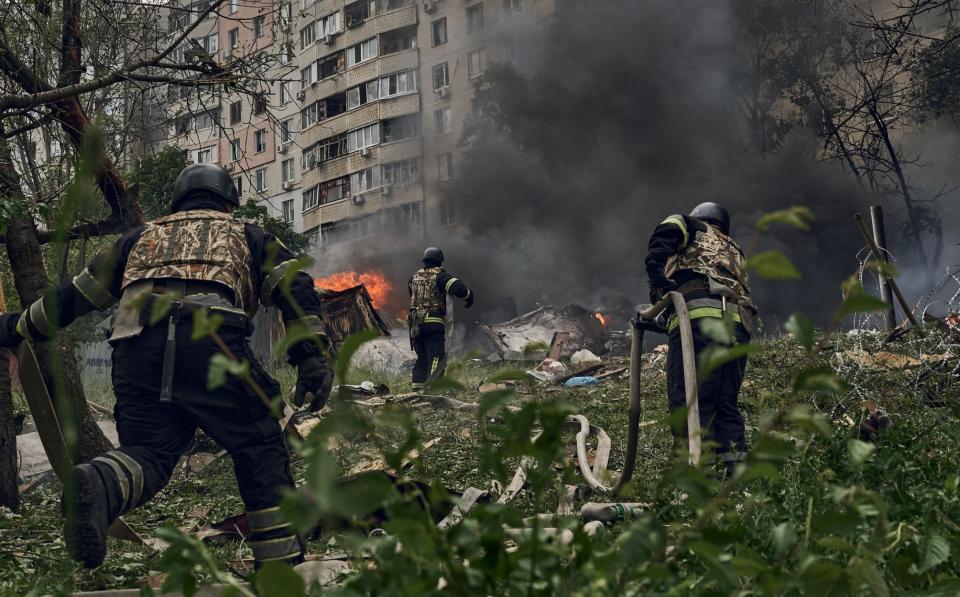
(796, 216)
(152, 179)
(282, 231)
(773, 265)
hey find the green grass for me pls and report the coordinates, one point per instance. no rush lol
(913, 469)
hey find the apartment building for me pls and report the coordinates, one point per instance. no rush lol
(364, 102)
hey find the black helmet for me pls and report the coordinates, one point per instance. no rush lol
(433, 254)
(206, 177)
(714, 214)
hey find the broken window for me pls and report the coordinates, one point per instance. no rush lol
(367, 136)
(332, 106)
(330, 24)
(311, 198)
(401, 127)
(259, 105)
(439, 29)
(475, 18)
(357, 13)
(364, 180)
(308, 35)
(398, 83)
(331, 65)
(402, 173)
(441, 76)
(398, 40)
(335, 190)
(361, 52)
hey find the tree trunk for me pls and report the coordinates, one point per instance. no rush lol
(56, 356)
(9, 493)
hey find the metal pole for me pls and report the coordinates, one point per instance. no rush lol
(880, 237)
(893, 283)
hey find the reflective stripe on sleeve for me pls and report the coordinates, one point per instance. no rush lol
(92, 290)
(678, 221)
(439, 320)
(274, 278)
(450, 283)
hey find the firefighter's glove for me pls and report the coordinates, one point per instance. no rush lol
(469, 302)
(314, 381)
(660, 288)
(9, 338)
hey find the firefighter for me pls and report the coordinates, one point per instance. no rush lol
(696, 256)
(198, 258)
(429, 288)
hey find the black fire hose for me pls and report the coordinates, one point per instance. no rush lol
(645, 321)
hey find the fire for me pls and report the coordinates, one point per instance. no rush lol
(376, 283)
(601, 319)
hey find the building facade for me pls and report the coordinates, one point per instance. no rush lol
(355, 123)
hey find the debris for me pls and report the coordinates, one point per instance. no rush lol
(581, 381)
(581, 373)
(572, 328)
(612, 373)
(199, 461)
(350, 312)
(879, 361)
(324, 573)
(467, 501)
(486, 388)
(367, 388)
(548, 370)
(389, 355)
(584, 358)
(875, 421)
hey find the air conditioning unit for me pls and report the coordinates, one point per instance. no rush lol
(228, 166)
(443, 91)
(328, 40)
(365, 152)
(227, 55)
(282, 148)
(429, 6)
(301, 94)
(359, 199)
(287, 185)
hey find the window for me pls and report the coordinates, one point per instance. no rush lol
(260, 141)
(234, 6)
(286, 130)
(308, 35)
(364, 180)
(205, 156)
(233, 37)
(439, 29)
(361, 52)
(361, 95)
(308, 76)
(330, 24)
(286, 16)
(259, 105)
(448, 213)
(236, 112)
(401, 127)
(357, 13)
(441, 119)
(368, 136)
(474, 18)
(286, 54)
(258, 27)
(182, 125)
(286, 170)
(398, 83)
(441, 76)
(309, 116)
(260, 180)
(513, 7)
(324, 150)
(238, 182)
(286, 92)
(204, 121)
(287, 207)
(234, 150)
(311, 199)
(402, 173)
(331, 65)
(335, 190)
(475, 63)
(446, 166)
(209, 43)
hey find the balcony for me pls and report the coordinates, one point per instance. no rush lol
(358, 117)
(367, 71)
(361, 205)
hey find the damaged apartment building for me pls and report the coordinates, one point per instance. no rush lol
(356, 129)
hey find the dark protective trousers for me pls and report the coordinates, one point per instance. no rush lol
(720, 418)
(431, 349)
(157, 434)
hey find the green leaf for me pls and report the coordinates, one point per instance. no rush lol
(532, 348)
(348, 348)
(859, 452)
(797, 216)
(934, 550)
(800, 327)
(773, 265)
(820, 380)
(803, 417)
(859, 301)
(784, 537)
(716, 356)
(442, 384)
(205, 324)
(507, 375)
(278, 579)
(220, 365)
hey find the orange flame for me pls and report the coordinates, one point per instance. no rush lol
(376, 283)
(601, 319)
